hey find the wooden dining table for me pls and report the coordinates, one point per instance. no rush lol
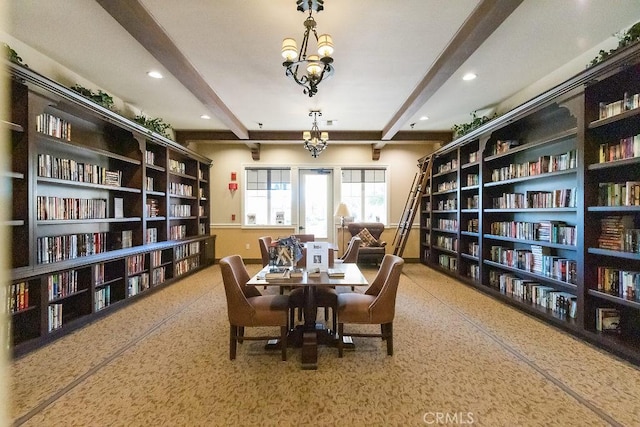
(312, 333)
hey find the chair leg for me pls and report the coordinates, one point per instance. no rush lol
(389, 329)
(240, 334)
(326, 314)
(334, 318)
(382, 332)
(283, 341)
(232, 341)
(292, 320)
(340, 332)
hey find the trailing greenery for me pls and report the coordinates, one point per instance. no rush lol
(156, 125)
(101, 97)
(464, 128)
(13, 56)
(626, 38)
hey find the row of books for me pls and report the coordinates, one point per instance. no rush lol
(543, 231)
(186, 265)
(628, 102)
(448, 243)
(538, 261)
(473, 202)
(448, 224)
(177, 166)
(149, 184)
(201, 210)
(608, 320)
(18, 296)
(474, 272)
(447, 205)
(177, 232)
(70, 170)
(504, 145)
(448, 262)
(180, 189)
(617, 233)
(626, 148)
(155, 257)
(126, 239)
(62, 284)
(137, 284)
(544, 164)
(619, 193)
(135, 263)
(202, 229)
(446, 186)
(58, 248)
(474, 249)
(51, 125)
(187, 249)
(473, 179)
(102, 298)
(449, 166)
(49, 207)
(621, 283)
(560, 302)
(151, 235)
(158, 275)
(152, 208)
(563, 198)
(150, 157)
(180, 210)
(474, 156)
(98, 274)
(473, 225)
(54, 313)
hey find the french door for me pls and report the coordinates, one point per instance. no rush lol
(316, 203)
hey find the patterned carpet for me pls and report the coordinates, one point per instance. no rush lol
(461, 358)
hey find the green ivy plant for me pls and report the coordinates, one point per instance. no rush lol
(464, 128)
(13, 56)
(156, 125)
(626, 38)
(101, 97)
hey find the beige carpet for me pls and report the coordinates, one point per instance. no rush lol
(460, 358)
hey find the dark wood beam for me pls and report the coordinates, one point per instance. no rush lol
(482, 22)
(134, 18)
(186, 136)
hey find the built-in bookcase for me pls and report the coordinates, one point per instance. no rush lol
(102, 209)
(546, 212)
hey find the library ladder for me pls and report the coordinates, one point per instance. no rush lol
(418, 188)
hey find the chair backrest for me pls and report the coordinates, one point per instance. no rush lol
(305, 237)
(264, 242)
(351, 254)
(381, 276)
(375, 228)
(233, 276)
(383, 308)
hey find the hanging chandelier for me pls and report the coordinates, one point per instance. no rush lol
(308, 71)
(314, 140)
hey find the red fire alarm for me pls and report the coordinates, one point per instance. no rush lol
(233, 176)
(233, 186)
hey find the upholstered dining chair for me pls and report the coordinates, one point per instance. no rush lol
(351, 253)
(246, 307)
(264, 242)
(376, 306)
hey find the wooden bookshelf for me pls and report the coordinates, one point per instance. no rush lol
(83, 241)
(552, 177)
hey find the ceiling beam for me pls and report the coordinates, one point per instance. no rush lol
(483, 21)
(134, 18)
(186, 136)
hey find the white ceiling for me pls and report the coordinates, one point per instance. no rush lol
(383, 50)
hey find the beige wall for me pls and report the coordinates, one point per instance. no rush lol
(232, 238)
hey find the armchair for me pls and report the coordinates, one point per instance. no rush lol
(372, 249)
(247, 307)
(375, 306)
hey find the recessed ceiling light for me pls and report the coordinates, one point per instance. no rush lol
(424, 118)
(469, 76)
(154, 74)
(204, 116)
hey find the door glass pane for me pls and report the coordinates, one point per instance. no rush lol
(316, 188)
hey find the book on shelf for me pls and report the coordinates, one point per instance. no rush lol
(118, 207)
(608, 320)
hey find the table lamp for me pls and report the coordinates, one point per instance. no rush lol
(342, 211)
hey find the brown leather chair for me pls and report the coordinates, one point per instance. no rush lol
(264, 242)
(351, 254)
(376, 306)
(247, 307)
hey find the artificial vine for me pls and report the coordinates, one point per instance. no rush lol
(625, 39)
(13, 56)
(156, 125)
(464, 128)
(100, 98)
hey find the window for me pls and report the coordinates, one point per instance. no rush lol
(268, 196)
(365, 193)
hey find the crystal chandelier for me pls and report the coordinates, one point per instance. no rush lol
(308, 71)
(314, 140)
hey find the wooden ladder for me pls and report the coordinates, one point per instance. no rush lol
(412, 205)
